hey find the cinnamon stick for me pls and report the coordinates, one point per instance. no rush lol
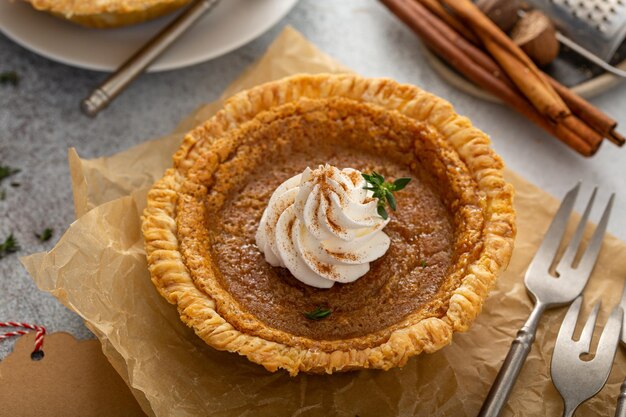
(430, 29)
(571, 123)
(586, 111)
(616, 138)
(524, 73)
(438, 10)
(513, 60)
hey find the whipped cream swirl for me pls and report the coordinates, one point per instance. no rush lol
(323, 226)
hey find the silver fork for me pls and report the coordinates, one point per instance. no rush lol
(579, 380)
(548, 291)
(620, 410)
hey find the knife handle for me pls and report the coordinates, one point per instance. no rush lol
(620, 410)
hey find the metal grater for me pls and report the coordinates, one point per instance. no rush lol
(599, 26)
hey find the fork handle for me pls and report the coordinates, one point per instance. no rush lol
(99, 98)
(503, 385)
(620, 411)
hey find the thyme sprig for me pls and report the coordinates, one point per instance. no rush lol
(383, 191)
(45, 235)
(9, 77)
(7, 171)
(318, 314)
(9, 245)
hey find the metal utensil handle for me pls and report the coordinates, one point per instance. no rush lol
(590, 56)
(568, 412)
(135, 65)
(512, 365)
(620, 410)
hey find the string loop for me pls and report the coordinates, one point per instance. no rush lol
(39, 335)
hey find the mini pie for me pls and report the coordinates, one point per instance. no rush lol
(104, 14)
(451, 236)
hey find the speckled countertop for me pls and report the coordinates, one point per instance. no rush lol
(40, 119)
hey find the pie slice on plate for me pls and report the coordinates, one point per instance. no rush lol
(268, 235)
(103, 14)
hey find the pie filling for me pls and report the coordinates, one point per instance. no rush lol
(401, 282)
(428, 266)
(229, 188)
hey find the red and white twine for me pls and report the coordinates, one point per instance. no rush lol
(41, 331)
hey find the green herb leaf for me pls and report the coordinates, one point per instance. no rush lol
(318, 314)
(382, 212)
(9, 77)
(392, 201)
(400, 183)
(423, 263)
(383, 191)
(45, 235)
(373, 178)
(9, 245)
(7, 171)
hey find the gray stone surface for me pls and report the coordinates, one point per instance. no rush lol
(39, 120)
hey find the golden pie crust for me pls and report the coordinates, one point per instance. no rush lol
(103, 14)
(215, 162)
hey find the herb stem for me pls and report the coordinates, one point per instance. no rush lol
(383, 191)
(318, 314)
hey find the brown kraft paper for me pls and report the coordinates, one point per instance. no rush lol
(98, 269)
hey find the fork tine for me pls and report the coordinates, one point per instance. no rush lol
(590, 256)
(610, 335)
(587, 333)
(574, 244)
(553, 237)
(622, 304)
(569, 323)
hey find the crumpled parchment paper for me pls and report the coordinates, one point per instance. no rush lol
(98, 269)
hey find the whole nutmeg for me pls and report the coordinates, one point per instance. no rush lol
(536, 35)
(502, 12)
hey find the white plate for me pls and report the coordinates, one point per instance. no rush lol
(231, 24)
(586, 89)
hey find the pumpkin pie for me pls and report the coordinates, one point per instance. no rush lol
(218, 249)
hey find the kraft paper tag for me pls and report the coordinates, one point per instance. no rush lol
(73, 378)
